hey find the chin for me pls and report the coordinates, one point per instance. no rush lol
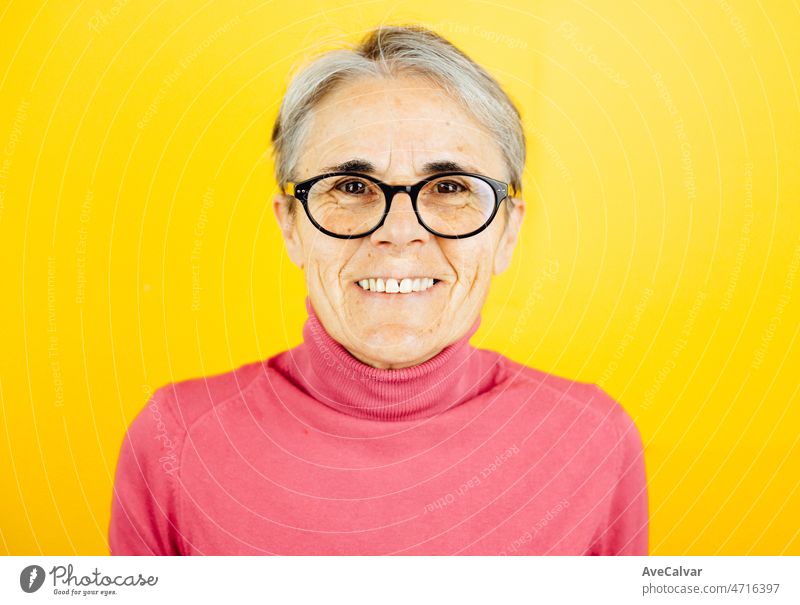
(383, 358)
(391, 344)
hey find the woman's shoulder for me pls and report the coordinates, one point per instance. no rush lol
(559, 395)
(188, 400)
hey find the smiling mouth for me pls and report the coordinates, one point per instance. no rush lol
(391, 285)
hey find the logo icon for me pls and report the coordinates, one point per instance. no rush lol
(31, 578)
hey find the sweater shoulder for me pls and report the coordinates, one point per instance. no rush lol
(189, 400)
(571, 396)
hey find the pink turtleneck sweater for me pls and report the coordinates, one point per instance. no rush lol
(313, 452)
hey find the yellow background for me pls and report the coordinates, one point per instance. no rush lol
(659, 254)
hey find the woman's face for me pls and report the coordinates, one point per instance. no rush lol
(399, 126)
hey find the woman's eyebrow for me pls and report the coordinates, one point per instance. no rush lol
(354, 165)
(447, 166)
(367, 167)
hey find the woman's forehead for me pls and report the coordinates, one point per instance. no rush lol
(387, 106)
(411, 129)
(413, 160)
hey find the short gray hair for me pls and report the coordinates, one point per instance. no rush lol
(388, 51)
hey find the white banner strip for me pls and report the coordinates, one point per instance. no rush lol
(400, 580)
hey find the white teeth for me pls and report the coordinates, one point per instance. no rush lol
(392, 285)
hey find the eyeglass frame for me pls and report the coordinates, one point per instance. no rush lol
(300, 191)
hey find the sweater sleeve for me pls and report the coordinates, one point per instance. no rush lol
(144, 507)
(626, 530)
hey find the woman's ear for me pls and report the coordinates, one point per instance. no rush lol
(508, 239)
(286, 213)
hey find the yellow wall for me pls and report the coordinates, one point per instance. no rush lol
(659, 255)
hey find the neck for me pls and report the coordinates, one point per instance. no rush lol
(331, 374)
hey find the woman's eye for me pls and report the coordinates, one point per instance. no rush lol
(448, 187)
(352, 187)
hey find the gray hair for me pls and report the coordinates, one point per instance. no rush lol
(388, 51)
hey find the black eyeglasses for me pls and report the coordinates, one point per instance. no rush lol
(349, 205)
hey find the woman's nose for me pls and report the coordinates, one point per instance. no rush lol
(401, 225)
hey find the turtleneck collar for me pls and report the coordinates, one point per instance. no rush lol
(332, 375)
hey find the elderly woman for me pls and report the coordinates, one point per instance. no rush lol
(385, 431)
